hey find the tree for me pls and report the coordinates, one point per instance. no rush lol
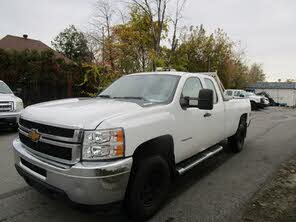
(102, 31)
(136, 43)
(256, 73)
(133, 43)
(40, 74)
(180, 4)
(156, 11)
(290, 80)
(202, 52)
(73, 44)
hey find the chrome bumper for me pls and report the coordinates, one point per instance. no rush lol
(9, 118)
(10, 115)
(91, 183)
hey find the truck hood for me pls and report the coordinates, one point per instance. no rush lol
(8, 97)
(78, 113)
(255, 98)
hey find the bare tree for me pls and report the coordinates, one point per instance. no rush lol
(180, 5)
(156, 11)
(102, 29)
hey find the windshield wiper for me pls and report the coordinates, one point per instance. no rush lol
(130, 97)
(105, 96)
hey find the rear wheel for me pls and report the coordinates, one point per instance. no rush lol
(148, 187)
(253, 106)
(237, 141)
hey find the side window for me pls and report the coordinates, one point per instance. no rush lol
(229, 92)
(210, 85)
(237, 93)
(192, 87)
(241, 94)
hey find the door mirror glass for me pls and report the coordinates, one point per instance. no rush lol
(206, 99)
(189, 102)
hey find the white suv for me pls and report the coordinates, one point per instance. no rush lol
(10, 106)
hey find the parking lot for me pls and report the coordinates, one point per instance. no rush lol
(214, 191)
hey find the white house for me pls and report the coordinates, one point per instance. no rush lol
(281, 92)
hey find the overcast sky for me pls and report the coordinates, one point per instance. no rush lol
(265, 28)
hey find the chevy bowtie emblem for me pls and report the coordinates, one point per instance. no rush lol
(34, 135)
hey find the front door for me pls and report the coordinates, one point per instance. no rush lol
(191, 124)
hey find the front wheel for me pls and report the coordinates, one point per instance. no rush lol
(237, 141)
(148, 187)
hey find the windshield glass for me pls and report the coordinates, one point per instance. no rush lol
(154, 88)
(4, 89)
(250, 94)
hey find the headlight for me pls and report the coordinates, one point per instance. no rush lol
(103, 144)
(19, 106)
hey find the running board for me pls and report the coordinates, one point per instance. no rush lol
(187, 165)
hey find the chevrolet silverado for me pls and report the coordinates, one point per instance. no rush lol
(131, 141)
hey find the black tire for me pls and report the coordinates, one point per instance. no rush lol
(254, 106)
(237, 141)
(148, 187)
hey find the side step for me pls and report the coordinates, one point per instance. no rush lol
(194, 161)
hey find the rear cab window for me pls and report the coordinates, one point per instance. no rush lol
(210, 85)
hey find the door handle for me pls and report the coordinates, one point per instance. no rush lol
(207, 115)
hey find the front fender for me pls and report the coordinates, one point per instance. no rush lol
(141, 128)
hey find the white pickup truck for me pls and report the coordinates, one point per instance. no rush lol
(256, 100)
(131, 141)
(10, 107)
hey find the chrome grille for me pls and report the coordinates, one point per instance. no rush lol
(6, 106)
(52, 143)
(50, 130)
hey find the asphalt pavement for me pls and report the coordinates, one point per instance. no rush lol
(217, 190)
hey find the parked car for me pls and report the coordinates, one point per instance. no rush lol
(256, 101)
(131, 141)
(270, 99)
(10, 107)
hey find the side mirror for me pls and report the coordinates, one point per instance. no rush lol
(242, 95)
(206, 99)
(189, 102)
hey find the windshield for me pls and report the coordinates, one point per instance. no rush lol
(154, 88)
(4, 89)
(250, 94)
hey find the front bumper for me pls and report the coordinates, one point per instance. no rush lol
(90, 183)
(9, 118)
